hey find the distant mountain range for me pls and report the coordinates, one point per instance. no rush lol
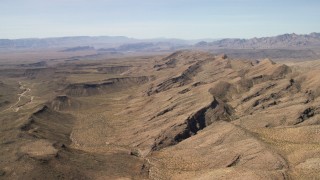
(281, 41)
(63, 41)
(76, 41)
(122, 43)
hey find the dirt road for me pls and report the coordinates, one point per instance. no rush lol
(16, 107)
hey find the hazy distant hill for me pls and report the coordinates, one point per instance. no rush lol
(64, 42)
(281, 41)
(78, 41)
(149, 46)
(78, 48)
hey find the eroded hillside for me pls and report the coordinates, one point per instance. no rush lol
(187, 115)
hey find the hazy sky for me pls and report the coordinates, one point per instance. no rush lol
(189, 19)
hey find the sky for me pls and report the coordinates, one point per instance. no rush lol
(185, 19)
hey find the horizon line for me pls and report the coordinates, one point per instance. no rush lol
(153, 38)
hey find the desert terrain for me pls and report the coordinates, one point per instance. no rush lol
(188, 114)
